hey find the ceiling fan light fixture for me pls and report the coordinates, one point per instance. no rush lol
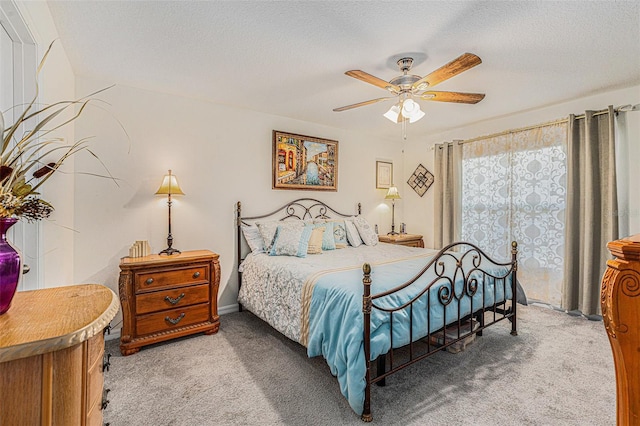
(409, 107)
(411, 110)
(393, 113)
(416, 116)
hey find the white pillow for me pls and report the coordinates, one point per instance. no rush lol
(291, 241)
(352, 233)
(268, 230)
(253, 238)
(367, 233)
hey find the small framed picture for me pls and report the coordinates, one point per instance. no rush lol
(384, 174)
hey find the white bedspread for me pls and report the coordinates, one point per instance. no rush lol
(272, 285)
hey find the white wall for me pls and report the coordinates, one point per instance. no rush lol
(56, 83)
(418, 212)
(219, 154)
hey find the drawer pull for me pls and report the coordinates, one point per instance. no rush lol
(196, 274)
(149, 281)
(105, 401)
(175, 321)
(174, 301)
(106, 362)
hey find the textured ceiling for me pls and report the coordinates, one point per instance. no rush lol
(288, 58)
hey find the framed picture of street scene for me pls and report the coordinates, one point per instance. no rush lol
(304, 162)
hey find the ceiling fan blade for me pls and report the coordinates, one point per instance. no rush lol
(453, 68)
(372, 101)
(458, 97)
(368, 78)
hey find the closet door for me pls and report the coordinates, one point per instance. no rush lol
(17, 86)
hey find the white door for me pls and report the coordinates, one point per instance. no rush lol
(17, 85)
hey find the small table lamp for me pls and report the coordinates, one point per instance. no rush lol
(169, 187)
(393, 195)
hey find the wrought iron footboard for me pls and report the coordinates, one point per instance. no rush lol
(460, 270)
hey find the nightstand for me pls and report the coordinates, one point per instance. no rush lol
(164, 297)
(411, 240)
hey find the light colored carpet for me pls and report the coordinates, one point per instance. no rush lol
(557, 371)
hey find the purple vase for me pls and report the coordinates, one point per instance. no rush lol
(9, 266)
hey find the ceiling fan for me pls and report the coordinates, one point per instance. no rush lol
(407, 86)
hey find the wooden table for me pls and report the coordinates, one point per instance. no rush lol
(411, 240)
(51, 353)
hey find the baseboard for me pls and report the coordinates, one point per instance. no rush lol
(115, 334)
(229, 309)
(222, 310)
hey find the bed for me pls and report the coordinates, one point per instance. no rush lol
(370, 310)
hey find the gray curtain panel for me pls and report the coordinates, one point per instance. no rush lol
(591, 213)
(448, 193)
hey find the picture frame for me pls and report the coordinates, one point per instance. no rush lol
(305, 163)
(384, 174)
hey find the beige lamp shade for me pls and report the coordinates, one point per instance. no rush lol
(169, 186)
(392, 194)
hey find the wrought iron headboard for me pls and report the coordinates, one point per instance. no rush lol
(302, 208)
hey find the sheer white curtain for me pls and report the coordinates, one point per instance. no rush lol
(514, 189)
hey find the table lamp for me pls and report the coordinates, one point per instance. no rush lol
(169, 187)
(393, 195)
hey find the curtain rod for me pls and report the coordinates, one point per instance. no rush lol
(535, 126)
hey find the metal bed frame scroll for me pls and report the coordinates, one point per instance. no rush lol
(460, 270)
(458, 263)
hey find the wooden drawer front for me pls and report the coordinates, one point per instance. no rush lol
(161, 321)
(171, 299)
(95, 349)
(169, 278)
(95, 384)
(94, 417)
(411, 244)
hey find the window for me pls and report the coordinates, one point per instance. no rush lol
(514, 189)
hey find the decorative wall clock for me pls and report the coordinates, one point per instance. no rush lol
(421, 180)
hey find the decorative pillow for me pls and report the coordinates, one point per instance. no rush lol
(328, 243)
(352, 233)
(315, 241)
(268, 230)
(253, 238)
(339, 231)
(368, 235)
(291, 241)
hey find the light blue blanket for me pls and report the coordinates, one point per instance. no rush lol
(336, 318)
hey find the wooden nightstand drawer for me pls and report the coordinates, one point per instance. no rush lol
(171, 299)
(175, 318)
(170, 278)
(165, 297)
(411, 240)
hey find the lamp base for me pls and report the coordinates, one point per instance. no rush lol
(393, 233)
(169, 251)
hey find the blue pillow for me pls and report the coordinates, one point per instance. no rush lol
(291, 241)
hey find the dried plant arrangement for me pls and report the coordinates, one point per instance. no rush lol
(31, 154)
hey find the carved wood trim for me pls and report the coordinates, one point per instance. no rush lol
(620, 302)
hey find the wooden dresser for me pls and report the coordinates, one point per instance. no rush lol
(411, 240)
(51, 356)
(620, 302)
(164, 297)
